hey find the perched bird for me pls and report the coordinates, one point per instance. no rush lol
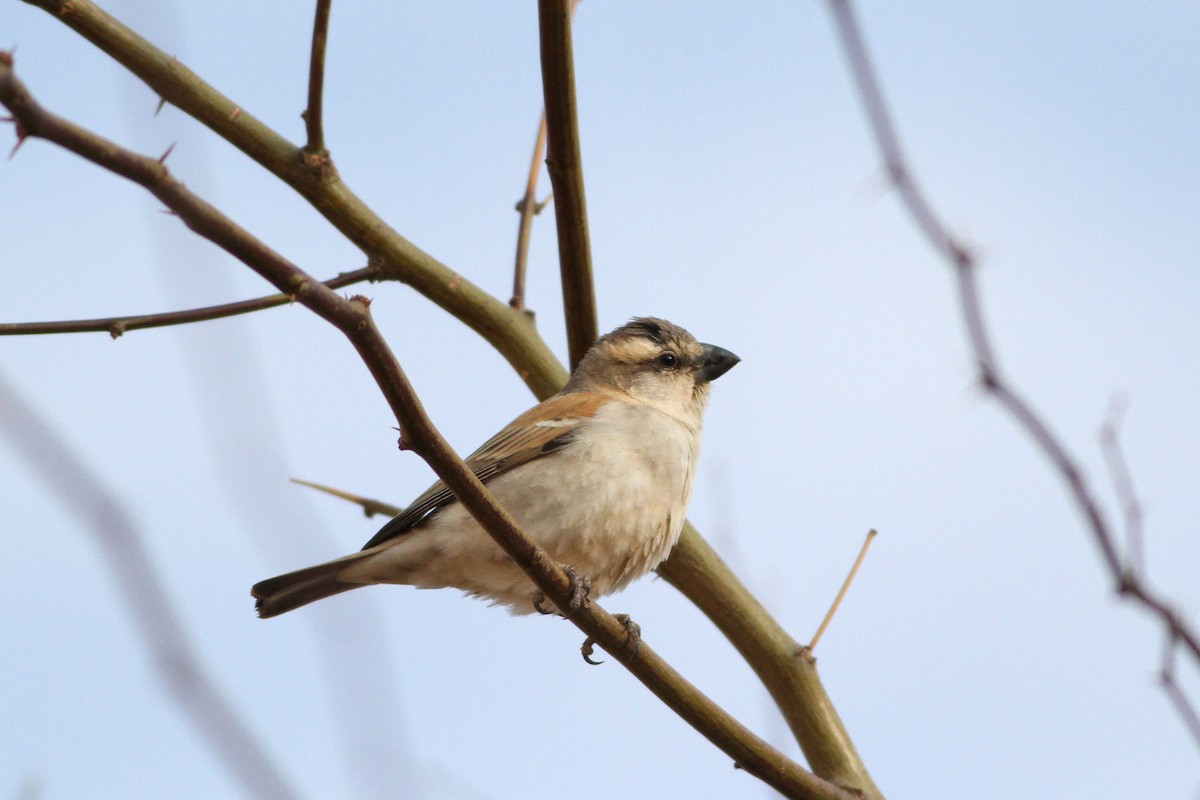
(599, 475)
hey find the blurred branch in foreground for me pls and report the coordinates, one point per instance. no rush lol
(142, 591)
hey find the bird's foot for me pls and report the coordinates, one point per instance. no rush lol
(633, 640)
(579, 588)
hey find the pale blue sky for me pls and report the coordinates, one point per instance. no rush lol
(732, 188)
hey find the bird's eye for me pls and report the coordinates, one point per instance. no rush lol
(668, 359)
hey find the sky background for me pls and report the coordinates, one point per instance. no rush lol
(732, 188)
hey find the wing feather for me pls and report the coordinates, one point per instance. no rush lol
(538, 433)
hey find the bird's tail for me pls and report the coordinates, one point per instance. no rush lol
(281, 594)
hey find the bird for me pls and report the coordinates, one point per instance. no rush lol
(599, 475)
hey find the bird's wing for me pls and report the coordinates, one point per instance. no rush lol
(537, 433)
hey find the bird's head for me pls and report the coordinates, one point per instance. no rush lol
(655, 362)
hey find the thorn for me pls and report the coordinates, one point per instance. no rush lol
(163, 158)
(16, 147)
(162, 101)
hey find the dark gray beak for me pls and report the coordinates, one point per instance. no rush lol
(717, 361)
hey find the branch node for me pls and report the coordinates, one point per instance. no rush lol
(116, 330)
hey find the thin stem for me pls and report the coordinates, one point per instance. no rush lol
(565, 165)
(116, 326)
(313, 115)
(837, 601)
(529, 207)
(352, 317)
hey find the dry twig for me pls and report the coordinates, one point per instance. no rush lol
(116, 326)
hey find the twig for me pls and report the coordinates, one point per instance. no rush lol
(1122, 481)
(1127, 583)
(1166, 677)
(837, 601)
(565, 165)
(370, 507)
(116, 326)
(529, 207)
(352, 317)
(145, 597)
(313, 115)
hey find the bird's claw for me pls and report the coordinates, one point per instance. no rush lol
(578, 589)
(633, 640)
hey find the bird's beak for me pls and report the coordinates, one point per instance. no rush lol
(717, 361)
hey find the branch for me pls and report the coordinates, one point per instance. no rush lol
(1127, 582)
(145, 598)
(352, 317)
(313, 122)
(565, 165)
(510, 331)
(116, 326)
(529, 208)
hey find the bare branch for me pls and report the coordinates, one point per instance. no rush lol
(696, 570)
(313, 115)
(1127, 583)
(352, 317)
(511, 332)
(529, 207)
(116, 326)
(144, 595)
(565, 165)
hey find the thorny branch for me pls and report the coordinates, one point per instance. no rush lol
(117, 326)
(1128, 582)
(352, 317)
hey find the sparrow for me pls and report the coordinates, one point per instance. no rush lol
(599, 475)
